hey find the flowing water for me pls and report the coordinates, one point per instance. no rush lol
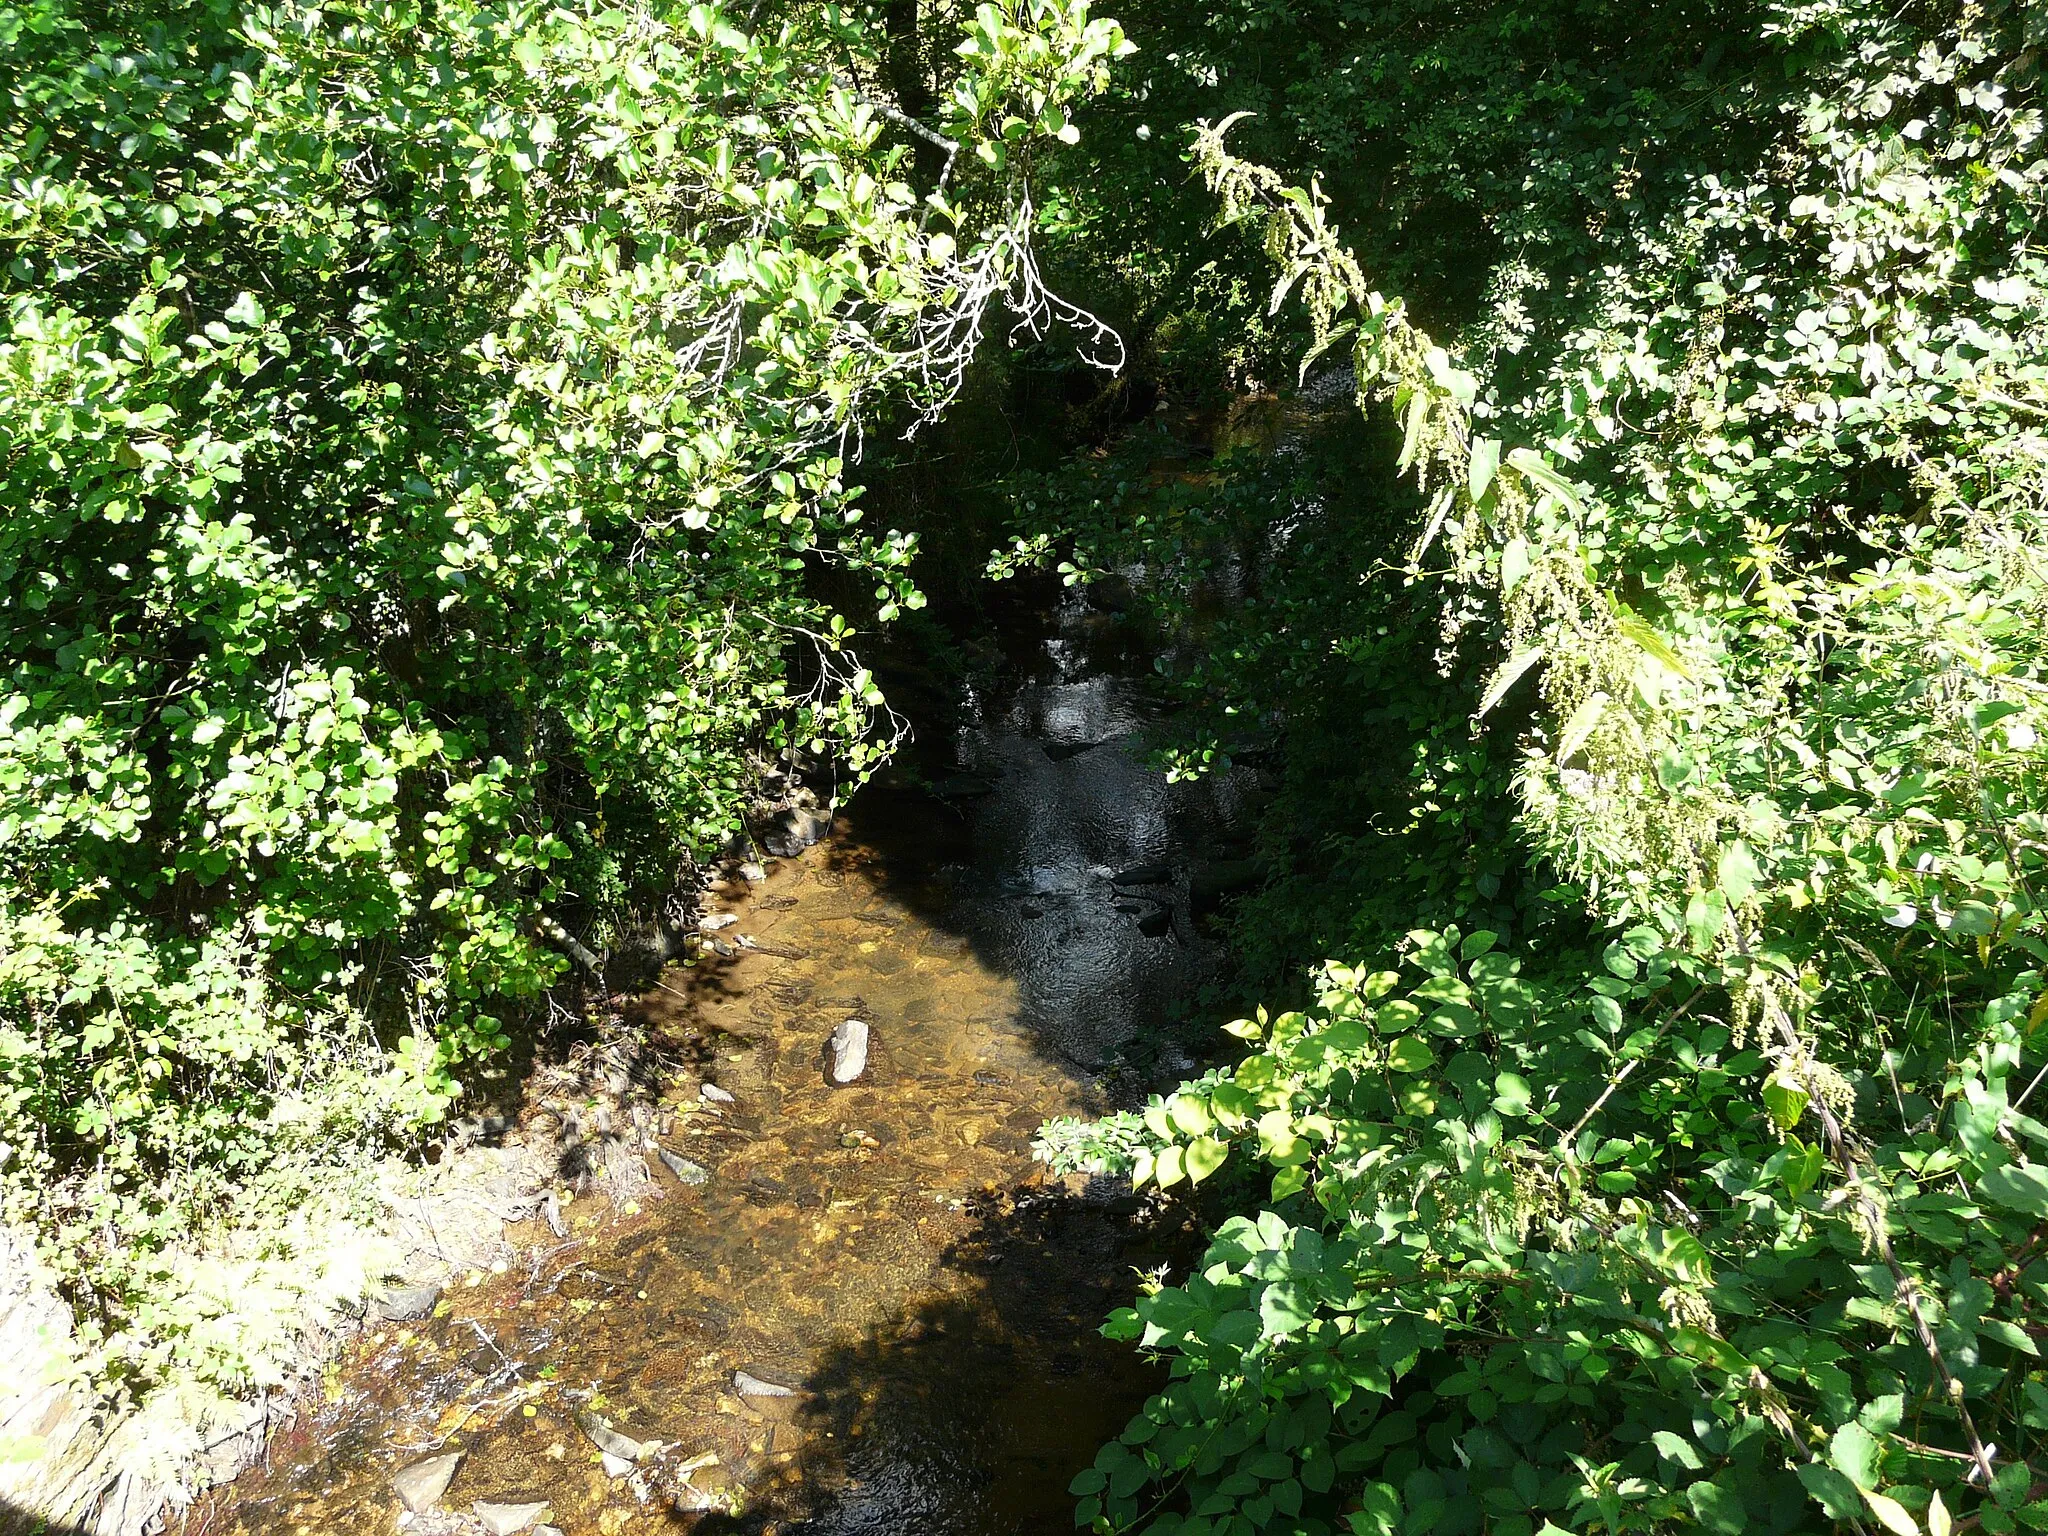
(887, 1249)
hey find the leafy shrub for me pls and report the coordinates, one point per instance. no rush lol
(418, 423)
(1733, 500)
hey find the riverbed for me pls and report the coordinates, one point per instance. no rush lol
(876, 1314)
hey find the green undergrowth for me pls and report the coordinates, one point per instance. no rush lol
(422, 429)
(1654, 1147)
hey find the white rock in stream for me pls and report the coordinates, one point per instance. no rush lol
(716, 1094)
(747, 1384)
(511, 1519)
(714, 921)
(615, 1446)
(848, 1050)
(420, 1486)
(686, 1172)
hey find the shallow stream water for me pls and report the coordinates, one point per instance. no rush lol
(888, 1249)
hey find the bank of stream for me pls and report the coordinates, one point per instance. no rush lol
(875, 1314)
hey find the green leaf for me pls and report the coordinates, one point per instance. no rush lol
(1509, 674)
(1511, 1094)
(1652, 643)
(2022, 1187)
(1854, 1452)
(1676, 1448)
(1738, 874)
(1891, 1514)
(1481, 467)
(1584, 721)
(1410, 1054)
(1514, 565)
(1190, 1115)
(1786, 1102)
(1204, 1156)
(1718, 1508)
(1834, 1492)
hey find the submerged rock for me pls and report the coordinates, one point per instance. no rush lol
(770, 1399)
(752, 873)
(686, 1172)
(510, 1519)
(406, 1303)
(794, 830)
(1143, 874)
(420, 1486)
(711, 922)
(747, 1384)
(846, 1051)
(615, 1445)
(715, 1094)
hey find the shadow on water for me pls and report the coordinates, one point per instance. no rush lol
(970, 1413)
(1029, 820)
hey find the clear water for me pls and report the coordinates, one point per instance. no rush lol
(888, 1247)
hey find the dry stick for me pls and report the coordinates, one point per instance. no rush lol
(1623, 1075)
(909, 124)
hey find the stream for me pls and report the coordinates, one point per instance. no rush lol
(914, 1305)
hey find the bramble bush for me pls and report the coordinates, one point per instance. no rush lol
(1725, 1211)
(419, 426)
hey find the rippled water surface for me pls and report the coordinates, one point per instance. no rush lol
(887, 1248)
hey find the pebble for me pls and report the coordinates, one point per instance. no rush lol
(552, 1209)
(686, 1172)
(848, 1049)
(753, 872)
(420, 1486)
(747, 1384)
(510, 1519)
(716, 1094)
(713, 921)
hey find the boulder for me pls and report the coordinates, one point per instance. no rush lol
(794, 830)
(419, 1487)
(846, 1052)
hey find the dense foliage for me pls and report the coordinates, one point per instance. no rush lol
(419, 423)
(1670, 1164)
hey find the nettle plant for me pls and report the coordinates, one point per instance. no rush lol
(419, 425)
(1738, 1222)
(1561, 1250)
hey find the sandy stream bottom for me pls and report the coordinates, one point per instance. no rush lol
(887, 1248)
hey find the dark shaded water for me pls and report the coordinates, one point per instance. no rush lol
(887, 1248)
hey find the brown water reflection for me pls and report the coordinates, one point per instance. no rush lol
(887, 1248)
